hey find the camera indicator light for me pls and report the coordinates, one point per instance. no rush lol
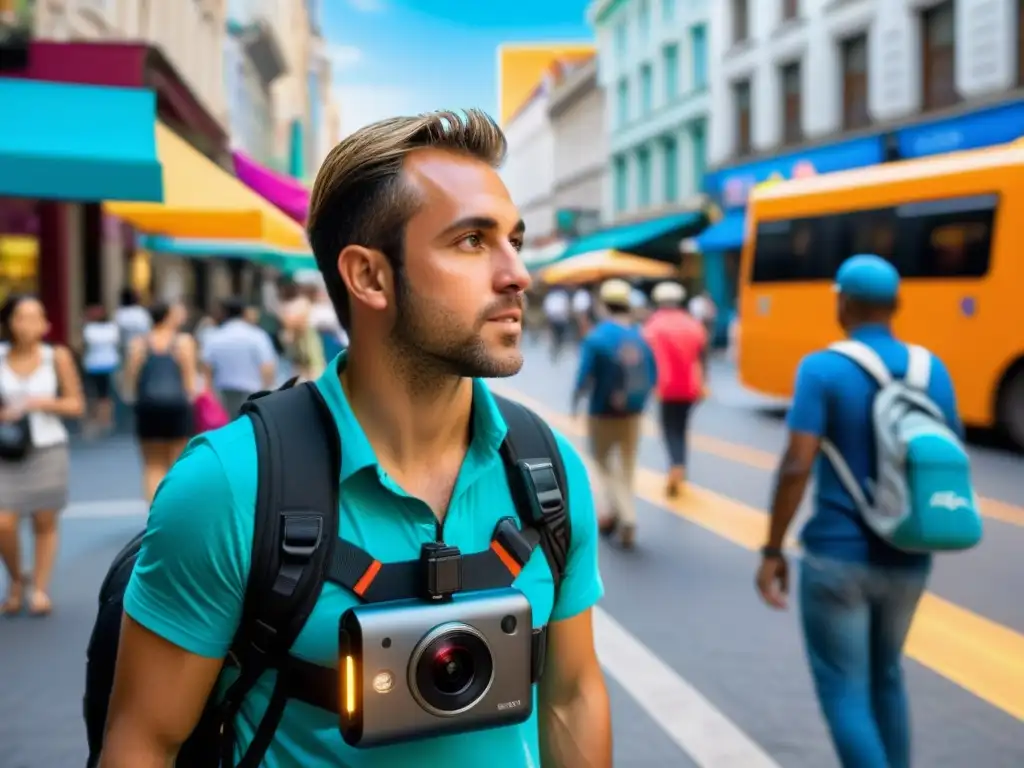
(383, 682)
(350, 685)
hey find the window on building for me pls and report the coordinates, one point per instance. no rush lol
(854, 54)
(792, 118)
(646, 90)
(621, 40)
(740, 21)
(670, 65)
(621, 172)
(741, 97)
(938, 57)
(699, 51)
(670, 168)
(643, 177)
(668, 10)
(790, 9)
(623, 102)
(939, 239)
(645, 20)
(699, 152)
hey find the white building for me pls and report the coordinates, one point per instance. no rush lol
(654, 69)
(576, 107)
(529, 171)
(790, 72)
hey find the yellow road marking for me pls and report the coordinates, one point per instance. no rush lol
(978, 654)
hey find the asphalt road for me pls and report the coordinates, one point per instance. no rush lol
(700, 672)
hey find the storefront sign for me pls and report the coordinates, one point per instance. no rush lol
(984, 128)
(732, 186)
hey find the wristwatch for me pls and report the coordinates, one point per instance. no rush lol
(772, 553)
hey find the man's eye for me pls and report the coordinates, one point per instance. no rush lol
(517, 243)
(473, 240)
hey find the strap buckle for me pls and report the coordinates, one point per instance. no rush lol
(512, 540)
(442, 570)
(546, 498)
(301, 534)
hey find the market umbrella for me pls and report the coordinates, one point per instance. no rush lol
(602, 265)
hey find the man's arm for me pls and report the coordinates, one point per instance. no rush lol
(182, 608)
(268, 360)
(584, 376)
(574, 714)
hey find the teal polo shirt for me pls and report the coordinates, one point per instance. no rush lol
(189, 582)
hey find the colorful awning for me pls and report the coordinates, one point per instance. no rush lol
(60, 141)
(284, 259)
(283, 191)
(654, 238)
(202, 200)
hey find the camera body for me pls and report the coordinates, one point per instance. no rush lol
(416, 668)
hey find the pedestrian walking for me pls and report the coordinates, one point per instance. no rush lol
(882, 415)
(100, 361)
(425, 466)
(617, 371)
(558, 315)
(680, 344)
(238, 358)
(39, 388)
(160, 378)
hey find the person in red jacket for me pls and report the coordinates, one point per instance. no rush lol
(680, 344)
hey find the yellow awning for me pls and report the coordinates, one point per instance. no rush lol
(202, 200)
(602, 265)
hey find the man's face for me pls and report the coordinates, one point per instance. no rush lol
(460, 298)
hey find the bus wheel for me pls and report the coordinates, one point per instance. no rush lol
(1011, 406)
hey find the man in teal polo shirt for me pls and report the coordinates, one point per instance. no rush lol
(418, 243)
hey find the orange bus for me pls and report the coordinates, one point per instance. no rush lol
(954, 228)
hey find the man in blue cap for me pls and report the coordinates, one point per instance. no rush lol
(857, 593)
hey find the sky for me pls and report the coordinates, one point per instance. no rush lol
(394, 57)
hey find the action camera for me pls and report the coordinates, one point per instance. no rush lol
(415, 669)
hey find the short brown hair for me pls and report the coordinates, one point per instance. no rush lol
(359, 198)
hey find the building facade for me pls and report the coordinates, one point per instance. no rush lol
(529, 171)
(576, 109)
(189, 33)
(654, 70)
(252, 62)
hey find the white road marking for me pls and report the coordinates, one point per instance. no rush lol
(690, 720)
(106, 509)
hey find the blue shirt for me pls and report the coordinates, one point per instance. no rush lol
(601, 371)
(236, 353)
(189, 582)
(833, 399)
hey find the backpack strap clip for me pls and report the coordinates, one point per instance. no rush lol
(441, 569)
(301, 534)
(543, 491)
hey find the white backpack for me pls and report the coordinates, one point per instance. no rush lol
(922, 497)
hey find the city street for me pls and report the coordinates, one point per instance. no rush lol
(701, 673)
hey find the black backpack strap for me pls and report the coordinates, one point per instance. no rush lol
(295, 528)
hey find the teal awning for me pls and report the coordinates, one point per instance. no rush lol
(656, 238)
(78, 142)
(261, 253)
(725, 235)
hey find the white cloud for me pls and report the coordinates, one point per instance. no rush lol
(344, 57)
(361, 105)
(368, 6)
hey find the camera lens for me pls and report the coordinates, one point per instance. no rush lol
(451, 669)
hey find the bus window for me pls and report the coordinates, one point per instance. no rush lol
(872, 231)
(949, 238)
(793, 250)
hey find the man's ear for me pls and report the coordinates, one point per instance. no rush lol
(367, 276)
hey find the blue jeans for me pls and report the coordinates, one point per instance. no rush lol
(855, 621)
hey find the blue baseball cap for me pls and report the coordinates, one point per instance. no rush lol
(868, 277)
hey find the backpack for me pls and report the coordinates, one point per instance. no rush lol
(297, 548)
(923, 497)
(160, 382)
(632, 374)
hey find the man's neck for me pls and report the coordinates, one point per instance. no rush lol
(408, 419)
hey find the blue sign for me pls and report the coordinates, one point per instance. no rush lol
(732, 186)
(984, 128)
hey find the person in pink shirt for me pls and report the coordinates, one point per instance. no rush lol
(680, 343)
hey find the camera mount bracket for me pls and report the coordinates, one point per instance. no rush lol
(442, 570)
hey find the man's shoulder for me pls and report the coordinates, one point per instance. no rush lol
(232, 448)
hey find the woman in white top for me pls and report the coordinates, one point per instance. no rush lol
(101, 359)
(39, 382)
